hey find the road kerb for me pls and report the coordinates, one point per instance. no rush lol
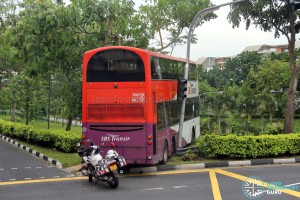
(31, 151)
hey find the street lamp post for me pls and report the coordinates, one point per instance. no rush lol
(192, 28)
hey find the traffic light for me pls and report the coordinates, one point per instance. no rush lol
(181, 89)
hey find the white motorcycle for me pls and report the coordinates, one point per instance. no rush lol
(104, 170)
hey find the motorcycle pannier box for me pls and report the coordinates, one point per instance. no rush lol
(101, 168)
(121, 161)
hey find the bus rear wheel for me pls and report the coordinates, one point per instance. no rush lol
(165, 153)
(174, 146)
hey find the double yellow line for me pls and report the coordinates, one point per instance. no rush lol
(41, 181)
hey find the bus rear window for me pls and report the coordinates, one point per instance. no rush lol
(115, 65)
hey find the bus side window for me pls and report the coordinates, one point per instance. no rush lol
(189, 109)
(181, 66)
(174, 112)
(160, 117)
(196, 104)
(154, 73)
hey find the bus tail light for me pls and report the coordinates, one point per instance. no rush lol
(149, 137)
(149, 142)
(83, 136)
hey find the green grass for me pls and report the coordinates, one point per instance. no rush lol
(275, 123)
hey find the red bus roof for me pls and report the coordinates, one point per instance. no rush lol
(150, 53)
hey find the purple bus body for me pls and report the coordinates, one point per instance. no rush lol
(131, 140)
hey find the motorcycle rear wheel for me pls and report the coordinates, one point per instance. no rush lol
(90, 178)
(113, 181)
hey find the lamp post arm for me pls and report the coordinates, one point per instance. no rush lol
(198, 18)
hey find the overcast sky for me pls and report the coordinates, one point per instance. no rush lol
(217, 38)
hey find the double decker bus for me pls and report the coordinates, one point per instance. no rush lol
(129, 97)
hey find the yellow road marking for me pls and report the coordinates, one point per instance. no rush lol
(41, 181)
(215, 185)
(83, 178)
(264, 184)
(212, 174)
(169, 172)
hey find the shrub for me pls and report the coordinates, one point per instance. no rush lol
(62, 140)
(233, 146)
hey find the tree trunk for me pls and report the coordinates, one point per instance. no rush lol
(14, 108)
(49, 102)
(27, 103)
(289, 111)
(27, 118)
(69, 124)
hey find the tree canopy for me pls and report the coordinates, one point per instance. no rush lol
(282, 18)
(42, 43)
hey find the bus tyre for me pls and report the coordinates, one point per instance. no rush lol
(165, 153)
(174, 145)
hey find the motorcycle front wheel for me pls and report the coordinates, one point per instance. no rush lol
(113, 180)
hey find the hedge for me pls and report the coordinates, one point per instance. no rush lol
(62, 140)
(233, 146)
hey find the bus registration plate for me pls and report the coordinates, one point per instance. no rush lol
(113, 167)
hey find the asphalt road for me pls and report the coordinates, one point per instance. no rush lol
(206, 184)
(41, 181)
(16, 164)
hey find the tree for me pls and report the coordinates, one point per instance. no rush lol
(280, 17)
(237, 69)
(169, 18)
(30, 98)
(9, 63)
(52, 38)
(269, 83)
(215, 77)
(6, 99)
